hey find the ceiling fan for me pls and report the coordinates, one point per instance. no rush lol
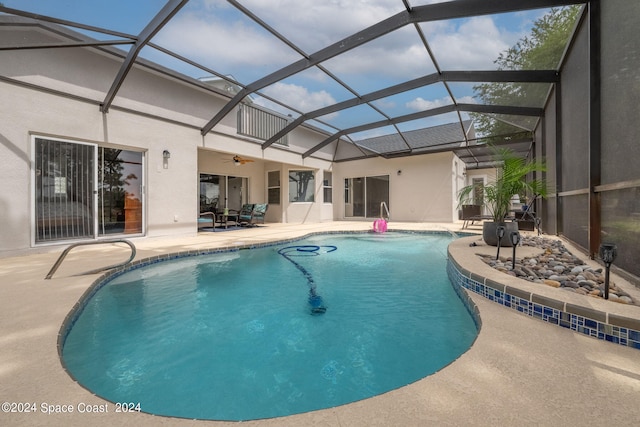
(237, 160)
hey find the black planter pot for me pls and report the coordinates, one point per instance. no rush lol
(490, 236)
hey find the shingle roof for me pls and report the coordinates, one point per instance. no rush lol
(421, 138)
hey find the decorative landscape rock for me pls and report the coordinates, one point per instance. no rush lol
(558, 268)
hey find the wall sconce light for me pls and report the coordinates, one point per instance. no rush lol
(515, 239)
(608, 253)
(500, 234)
(166, 155)
(399, 172)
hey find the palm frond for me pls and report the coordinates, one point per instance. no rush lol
(511, 179)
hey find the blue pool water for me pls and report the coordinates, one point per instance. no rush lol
(232, 336)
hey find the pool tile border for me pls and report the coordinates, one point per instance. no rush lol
(598, 324)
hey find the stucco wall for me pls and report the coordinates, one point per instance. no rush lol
(423, 191)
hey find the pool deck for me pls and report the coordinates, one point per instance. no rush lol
(520, 370)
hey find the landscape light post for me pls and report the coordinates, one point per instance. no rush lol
(608, 253)
(500, 234)
(515, 239)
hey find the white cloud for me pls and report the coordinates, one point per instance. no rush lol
(399, 56)
(467, 100)
(474, 44)
(421, 104)
(223, 46)
(316, 24)
(299, 97)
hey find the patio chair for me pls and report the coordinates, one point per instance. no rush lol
(472, 213)
(259, 211)
(252, 214)
(527, 219)
(244, 214)
(207, 219)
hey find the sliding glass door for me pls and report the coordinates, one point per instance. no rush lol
(65, 183)
(120, 191)
(82, 191)
(221, 191)
(376, 193)
(363, 195)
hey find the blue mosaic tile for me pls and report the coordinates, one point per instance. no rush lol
(591, 323)
(612, 339)
(580, 324)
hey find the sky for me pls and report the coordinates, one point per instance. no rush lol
(215, 34)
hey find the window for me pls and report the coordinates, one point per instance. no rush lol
(301, 186)
(327, 189)
(347, 192)
(273, 187)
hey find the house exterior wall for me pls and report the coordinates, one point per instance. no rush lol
(153, 112)
(299, 212)
(423, 191)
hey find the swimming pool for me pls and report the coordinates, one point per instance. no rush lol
(234, 335)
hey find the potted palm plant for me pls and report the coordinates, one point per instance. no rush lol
(511, 180)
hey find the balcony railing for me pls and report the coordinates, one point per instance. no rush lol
(260, 124)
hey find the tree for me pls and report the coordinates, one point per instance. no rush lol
(542, 49)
